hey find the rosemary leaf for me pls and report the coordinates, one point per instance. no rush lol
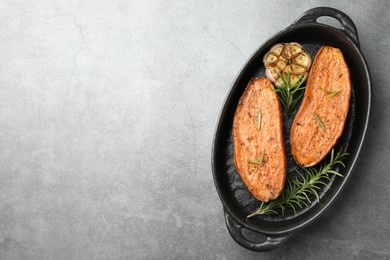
(334, 93)
(319, 121)
(299, 191)
(336, 173)
(262, 158)
(331, 92)
(257, 160)
(259, 120)
(254, 162)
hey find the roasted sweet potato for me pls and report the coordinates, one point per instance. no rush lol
(321, 117)
(259, 152)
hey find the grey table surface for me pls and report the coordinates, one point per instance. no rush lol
(107, 116)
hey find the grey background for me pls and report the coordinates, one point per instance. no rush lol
(107, 114)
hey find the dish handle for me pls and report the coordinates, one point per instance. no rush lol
(271, 242)
(347, 25)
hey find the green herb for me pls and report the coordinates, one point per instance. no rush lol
(288, 91)
(334, 93)
(299, 191)
(319, 121)
(257, 160)
(259, 120)
(331, 92)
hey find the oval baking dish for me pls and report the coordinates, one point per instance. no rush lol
(236, 199)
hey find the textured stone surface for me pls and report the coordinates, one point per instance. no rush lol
(107, 114)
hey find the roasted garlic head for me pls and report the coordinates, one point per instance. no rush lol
(286, 58)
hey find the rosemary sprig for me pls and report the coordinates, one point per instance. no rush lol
(331, 92)
(288, 91)
(319, 121)
(299, 191)
(259, 120)
(257, 160)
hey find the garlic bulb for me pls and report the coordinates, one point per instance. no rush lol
(286, 58)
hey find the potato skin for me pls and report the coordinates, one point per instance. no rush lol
(266, 181)
(309, 142)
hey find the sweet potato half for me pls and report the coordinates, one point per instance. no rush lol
(321, 117)
(259, 151)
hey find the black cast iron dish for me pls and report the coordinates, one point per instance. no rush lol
(236, 199)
